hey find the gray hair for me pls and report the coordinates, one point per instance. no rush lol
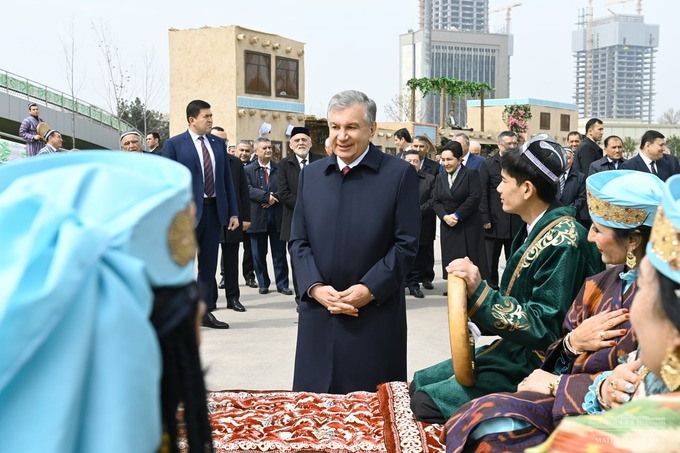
(245, 142)
(259, 140)
(348, 98)
(466, 139)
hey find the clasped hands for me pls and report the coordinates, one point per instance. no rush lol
(272, 201)
(451, 220)
(347, 302)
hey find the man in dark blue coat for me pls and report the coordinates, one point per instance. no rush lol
(354, 236)
(265, 218)
(470, 160)
(205, 156)
(651, 158)
(589, 151)
(613, 156)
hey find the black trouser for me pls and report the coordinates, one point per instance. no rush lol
(229, 264)
(493, 248)
(248, 266)
(422, 269)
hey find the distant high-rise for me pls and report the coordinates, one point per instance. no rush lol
(460, 15)
(615, 67)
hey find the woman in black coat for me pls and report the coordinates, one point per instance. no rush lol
(457, 195)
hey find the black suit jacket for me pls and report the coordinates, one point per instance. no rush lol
(603, 165)
(587, 153)
(503, 224)
(238, 176)
(574, 193)
(289, 175)
(666, 167)
(259, 193)
(181, 148)
(428, 224)
(430, 167)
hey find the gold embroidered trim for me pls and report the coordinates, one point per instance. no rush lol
(665, 240)
(509, 316)
(544, 239)
(479, 302)
(608, 211)
(182, 238)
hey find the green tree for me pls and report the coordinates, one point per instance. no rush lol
(673, 143)
(629, 146)
(134, 112)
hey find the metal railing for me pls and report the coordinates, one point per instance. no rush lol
(39, 93)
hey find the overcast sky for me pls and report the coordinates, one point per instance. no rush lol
(349, 44)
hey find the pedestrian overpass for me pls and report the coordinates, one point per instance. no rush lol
(94, 128)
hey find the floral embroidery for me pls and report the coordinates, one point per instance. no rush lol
(608, 211)
(509, 316)
(665, 240)
(563, 233)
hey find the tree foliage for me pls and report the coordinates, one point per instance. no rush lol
(135, 113)
(629, 146)
(453, 87)
(673, 143)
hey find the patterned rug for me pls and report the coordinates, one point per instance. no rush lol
(287, 422)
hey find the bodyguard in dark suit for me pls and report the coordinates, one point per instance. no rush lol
(651, 158)
(230, 239)
(422, 270)
(471, 161)
(589, 151)
(205, 157)
(571, 189)
(265, 218)
(613, 152)
(244, 152)
(289, 174)
(499, 226)
(354, 236)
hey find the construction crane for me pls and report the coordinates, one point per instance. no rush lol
(638, 7)
(507, 10)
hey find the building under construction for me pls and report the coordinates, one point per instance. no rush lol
(459, 15)
(615, 66)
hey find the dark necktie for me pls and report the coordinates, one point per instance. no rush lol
(563, 181)
(208, 177)
(345, 170)
(616, 164)
(266, 176)
(304, 162)
(653, 165)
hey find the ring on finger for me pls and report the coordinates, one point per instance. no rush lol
(602, 335)
(612, 397)
(613, 384)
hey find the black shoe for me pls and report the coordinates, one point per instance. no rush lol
(251, 282)
(209, 320)
(445, 293)
(235, 305)
(416, 292)
(263, 291)
(428, 285)
(285, 291)
(220, 285)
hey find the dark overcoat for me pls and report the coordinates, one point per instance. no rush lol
(428, 226)
(430, 167)
(467, 237)
(289, 173)
(575, 194)
(587, 153)
(238, 177)
(603, 165)
(503, 225)
(360, 228)
(259, 193)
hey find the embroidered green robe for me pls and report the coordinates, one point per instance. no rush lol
(540, 282)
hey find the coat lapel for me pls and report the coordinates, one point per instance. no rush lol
(461, 174)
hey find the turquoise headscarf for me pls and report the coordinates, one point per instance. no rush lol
(663, 249)
(85, 236)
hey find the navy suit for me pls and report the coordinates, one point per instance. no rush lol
(211, 214)
(423, 266)
(265, 224)
(574, 193)
(474, 162)
(359, 228)
(603, 165)
(666, 167)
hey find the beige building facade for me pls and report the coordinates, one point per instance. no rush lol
(549, 117)
(253, 80)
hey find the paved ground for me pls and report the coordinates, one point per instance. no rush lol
(257, 352)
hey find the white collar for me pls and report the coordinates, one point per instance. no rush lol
(533, 224)
(357, 161)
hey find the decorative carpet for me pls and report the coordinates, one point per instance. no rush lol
(288, 422)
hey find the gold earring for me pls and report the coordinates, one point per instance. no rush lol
(670, 371)
(631, 261)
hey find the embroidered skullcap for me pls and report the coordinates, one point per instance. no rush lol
(49, 132)
(299, 130)
(126, 133)
(76, 297)
(546, 155)
(663, 248)
(623, 198)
